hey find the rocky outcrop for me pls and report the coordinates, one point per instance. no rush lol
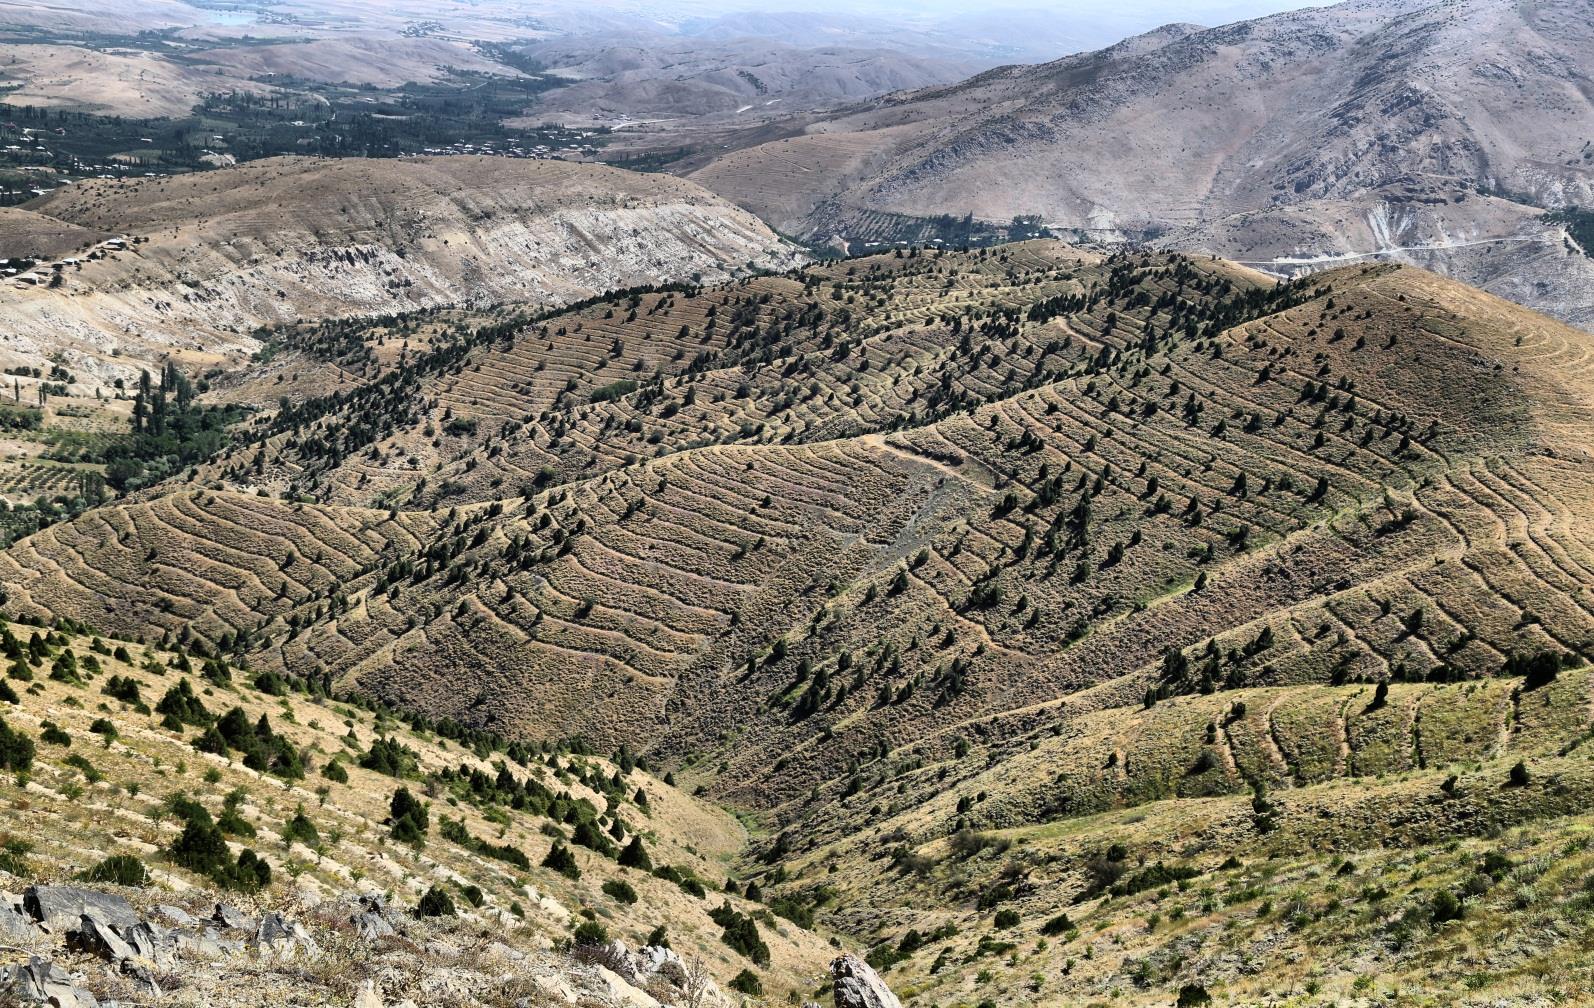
(41, 982)
(857, 985)
(208, 258)
(652, 975)
(115, 954)
(61, 907)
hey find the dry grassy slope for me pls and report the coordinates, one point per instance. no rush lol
(375, 59)
(1327, 105)
(72, 822)
(129, 82)
(815, 618)
(218, 254)
(744, 77)
(1493, 551)
(34, 236)
(1334, 902)
(749, 362)
(630, 604)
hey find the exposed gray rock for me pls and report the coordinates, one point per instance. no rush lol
(149, 942)
(177, 915)
(15, 925)
(96, 937)
(207, 943)
(232, 918)
(661, 962)
(859, 986)
(303, 939)
(273, 930)
(61, 907)
(371, 926)
(143, 977)
(618, 958)
(40, 981)
(276, 936)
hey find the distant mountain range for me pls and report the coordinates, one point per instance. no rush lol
(613, 76)
(1438, 133)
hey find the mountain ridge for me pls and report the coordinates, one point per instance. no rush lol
(1163, 137)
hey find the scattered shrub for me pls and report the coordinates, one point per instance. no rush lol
(562, 861)
(747, 982)
(16, 750)
(620, 890)
(436, 903)
(118, 869)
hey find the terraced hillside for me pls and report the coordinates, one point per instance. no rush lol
(190, 266)
(979, 578)
(1174, 421)
(1315, 845)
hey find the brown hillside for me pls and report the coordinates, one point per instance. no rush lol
(1442, 424)
(215, 255)
(992, 586)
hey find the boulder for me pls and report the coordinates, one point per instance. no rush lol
(371, 926)
(59, 908)
(618, 958)
(232, 918)
(15, 925)
(208, 943)
(275, 936)
(143, 977)
(177, 915)
(859, 986)
(42, 981)
(617, 991)
(302, 939)
(273, 931)
(658, 961)
(149, 943)
(96, 937)
(556, 987)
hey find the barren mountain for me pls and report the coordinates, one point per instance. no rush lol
(118, 82)
(28, 235)
(210, 257)
(667, 76)
(1371, 126)
(373, 59)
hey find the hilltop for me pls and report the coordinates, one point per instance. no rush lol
(1431, 133)
(191, 266)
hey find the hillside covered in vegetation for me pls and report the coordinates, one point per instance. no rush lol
(1059, 626)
